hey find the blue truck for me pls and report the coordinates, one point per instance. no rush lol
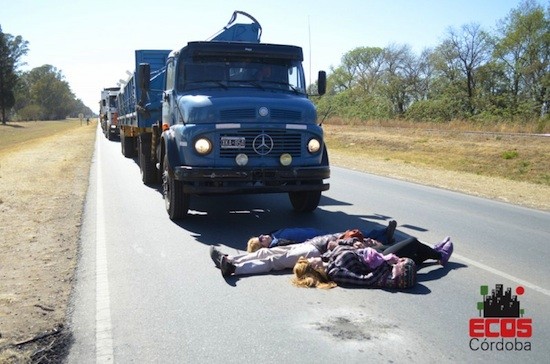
(229, 115)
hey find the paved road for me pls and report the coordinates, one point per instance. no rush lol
(147, 291)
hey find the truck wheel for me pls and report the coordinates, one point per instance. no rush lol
(305, 201)
(175, 201)
(149, 173)
(128, 145)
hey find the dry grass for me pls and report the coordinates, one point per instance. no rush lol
(16, 135)
(517, 157)
(44, 171)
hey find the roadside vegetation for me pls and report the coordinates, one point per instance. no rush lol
(39, 94)
(508, 151)
(482, 76)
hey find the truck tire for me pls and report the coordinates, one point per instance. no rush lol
(305, 201)
(175, 201)
(147, 168)
(128, 145)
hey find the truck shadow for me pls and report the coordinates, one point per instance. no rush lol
(232, 220)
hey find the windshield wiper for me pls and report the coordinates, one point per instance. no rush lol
(286, 84)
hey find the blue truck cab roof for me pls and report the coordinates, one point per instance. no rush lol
(241, 49)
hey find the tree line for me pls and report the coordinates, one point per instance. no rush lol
(39, 94)
(473, 74)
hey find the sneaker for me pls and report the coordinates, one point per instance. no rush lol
(439, 246)
(226, 266)
(216, 256)
(446, 252)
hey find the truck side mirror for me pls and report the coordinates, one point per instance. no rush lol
(322, 83)
(144, 75)
(103, 102)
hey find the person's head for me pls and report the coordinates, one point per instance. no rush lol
(311, 273)
(403, 274)
(264, 72)
(258, 242)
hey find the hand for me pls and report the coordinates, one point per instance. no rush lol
(372, 243)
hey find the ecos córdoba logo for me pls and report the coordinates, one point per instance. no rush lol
(501, 325)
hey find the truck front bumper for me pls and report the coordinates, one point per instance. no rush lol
(261, 180)
(114, 129)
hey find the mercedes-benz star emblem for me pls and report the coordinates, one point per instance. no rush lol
(262, 144)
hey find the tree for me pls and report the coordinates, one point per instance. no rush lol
(400, 77)
(470, 48)
(364, 65)
(472, 74)
(45, 90)
(11, 50)
(523, 51)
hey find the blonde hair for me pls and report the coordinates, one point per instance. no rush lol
(253, 244)
(306, 276)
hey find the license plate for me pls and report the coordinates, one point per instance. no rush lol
(232, 142)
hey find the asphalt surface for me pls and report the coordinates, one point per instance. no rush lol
(147, 291)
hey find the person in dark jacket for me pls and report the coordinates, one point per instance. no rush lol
(296, 235)
(395, 267)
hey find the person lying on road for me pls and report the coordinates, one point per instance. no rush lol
(296, 235)
(394, 267)
(284, 257)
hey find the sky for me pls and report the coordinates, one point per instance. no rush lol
(93, 42)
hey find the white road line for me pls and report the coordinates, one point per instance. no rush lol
(103, 334)
(503, 274)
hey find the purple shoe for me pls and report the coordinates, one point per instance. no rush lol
(439, 246)
(446, 251)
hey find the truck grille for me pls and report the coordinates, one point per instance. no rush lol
(276, 143)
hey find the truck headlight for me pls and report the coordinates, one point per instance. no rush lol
(285, 159)
(241, 159)
(203, 146)
(313, 146)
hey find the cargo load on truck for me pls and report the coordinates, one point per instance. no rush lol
(229, 115)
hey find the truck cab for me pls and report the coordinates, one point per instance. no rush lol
(237, 119)
(108, 112)
(229, 115)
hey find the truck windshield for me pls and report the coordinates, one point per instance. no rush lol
(282, 75)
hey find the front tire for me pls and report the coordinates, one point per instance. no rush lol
(305, 201)
(175, 200)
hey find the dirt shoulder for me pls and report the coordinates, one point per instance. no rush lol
(43, 186)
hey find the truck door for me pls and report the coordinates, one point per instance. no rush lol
(169, 96)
